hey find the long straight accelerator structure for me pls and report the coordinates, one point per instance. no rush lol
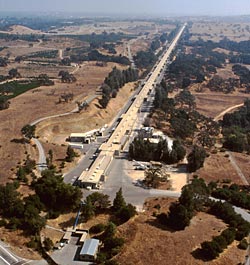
(92, 177)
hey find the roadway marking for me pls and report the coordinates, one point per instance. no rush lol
(27, 262)
(4, 260)
(9, 253)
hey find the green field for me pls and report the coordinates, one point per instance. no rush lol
(15, 88)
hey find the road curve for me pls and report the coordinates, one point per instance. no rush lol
(218, 117)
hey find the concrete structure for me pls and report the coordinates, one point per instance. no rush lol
(89, 250)
(91, 178)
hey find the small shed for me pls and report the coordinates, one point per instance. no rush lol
(89, 250)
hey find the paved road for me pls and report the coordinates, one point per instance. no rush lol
(8, 258)
(42, 157)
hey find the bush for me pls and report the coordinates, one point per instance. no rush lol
(243, 244)
(3, 222)
(48, 244)
(95, 229)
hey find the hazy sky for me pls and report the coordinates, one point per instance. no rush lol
(163, 7)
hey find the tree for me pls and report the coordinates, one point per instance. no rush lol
(196, 158)
(50, 153)
(88, 209)
(70, 154)
(126, 212)
(99, 201)
(13, 73)
(119, 201)
(179, 216)
(109, 230)
(153, 177)
(29, 131)
(48, 244)
(56, 195)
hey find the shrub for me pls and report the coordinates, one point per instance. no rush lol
(243, 244)
(95, 229)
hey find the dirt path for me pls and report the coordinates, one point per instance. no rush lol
(238, 170)
(218, 117)
(231, 158)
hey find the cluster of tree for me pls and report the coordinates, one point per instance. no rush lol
(193, 198)
(155, 44)
(97, 40)
(111, 245)
(161, 100)
(56, 196)
(3, 62)
(238, 229)
(145, 59)
(243, 72)
(234, 195)
(196, 158)
(240, 58)
(66, 77)
(182, 117)
(18, 213)
(24, 37)
(13, 73)
(95, 55)
(110, 47)
(66, 97)
(28, 131)
(236, 129)
(144, 150)
(44, 80)
(42, 54)
(95, 203)
(122, 211)
(4, 103)
(25, 169)
(219, 84)
(241, 46)
(98, 203)
(51, 195)
(187, 68)
(211, 249)
(163, 37)
(66, 61)
(70, 154)
(154, 177)
(114, 81)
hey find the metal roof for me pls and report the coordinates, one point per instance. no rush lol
(90, 247)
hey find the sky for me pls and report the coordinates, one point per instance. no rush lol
(142, 7)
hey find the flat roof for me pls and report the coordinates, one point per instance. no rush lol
(90, 247)
(78, 135)
(97, 169)
(67, 235)
(83, 237)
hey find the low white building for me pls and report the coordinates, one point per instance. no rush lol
(89, 250)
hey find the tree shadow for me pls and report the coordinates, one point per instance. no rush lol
(67, 223)
(198, 254)
(19, 141)
(60, 160)
(98, 106)
(157, 224)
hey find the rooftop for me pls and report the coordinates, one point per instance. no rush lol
(90, 247)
